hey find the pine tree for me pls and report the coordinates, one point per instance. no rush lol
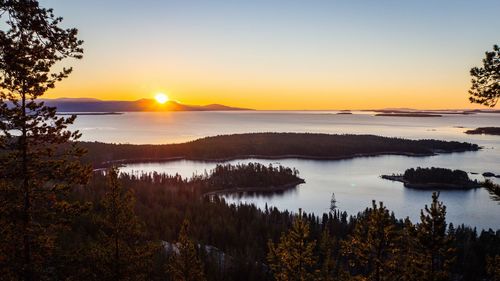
(39, 163)
(485, 88)
(121, 252)
(371, 249)
(185, 264)
(326, 245)
(493, 267)
(435, 246)
(333, 203)
(293, 258)
(408, 257)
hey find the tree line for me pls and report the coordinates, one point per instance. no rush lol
(269, 244)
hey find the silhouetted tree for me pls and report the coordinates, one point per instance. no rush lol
(435, 245)
(371, 249)
(485, 87)
(293, 258)
(185, 264)
(37, 163)
(333, 203)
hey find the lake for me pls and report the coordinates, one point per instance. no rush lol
(355, 182)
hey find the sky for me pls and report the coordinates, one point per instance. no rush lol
(280, 55)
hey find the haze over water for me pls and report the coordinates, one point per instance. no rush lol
(355, 182)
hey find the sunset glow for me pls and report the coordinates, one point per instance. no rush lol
(330, 55)
(161, 98)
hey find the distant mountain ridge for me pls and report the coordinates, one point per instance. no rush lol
(96, 105)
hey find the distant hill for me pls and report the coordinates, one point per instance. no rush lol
(95, 105)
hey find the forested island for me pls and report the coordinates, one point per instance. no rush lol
(434, 178)
(484, 131)
(271, 145)
(252, 177)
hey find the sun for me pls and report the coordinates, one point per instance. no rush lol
(161, 98)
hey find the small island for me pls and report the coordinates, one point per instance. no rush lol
(434, 178)
(250, 177)
(484, 131)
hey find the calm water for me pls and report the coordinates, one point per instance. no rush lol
(355, 182)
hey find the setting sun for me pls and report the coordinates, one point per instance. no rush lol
(161, 98)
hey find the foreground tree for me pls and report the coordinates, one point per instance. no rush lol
(485, 87)
(435, 246)
(493, 267)
(371, 249)
(408, 257)
(39, 163)
(185, 264)
(293, 258)
(121, 251)
(328, 264)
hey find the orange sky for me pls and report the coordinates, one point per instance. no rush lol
(262, 55)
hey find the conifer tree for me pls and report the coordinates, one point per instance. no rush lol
(485, 88)
(327, 262)
(371, 248)
(121, 252)
(293, 258)
(435, 246)
(409, 259)
(39, 163)
(333, 203)
(493, 267)
(185, 264)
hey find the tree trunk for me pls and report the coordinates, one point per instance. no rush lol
(27, 268)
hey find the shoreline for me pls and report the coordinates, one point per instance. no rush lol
(268, 189)
(408, 115)
(107, 164)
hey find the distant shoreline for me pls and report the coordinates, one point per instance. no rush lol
(408, 115)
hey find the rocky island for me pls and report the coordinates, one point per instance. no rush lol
(434, 178)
